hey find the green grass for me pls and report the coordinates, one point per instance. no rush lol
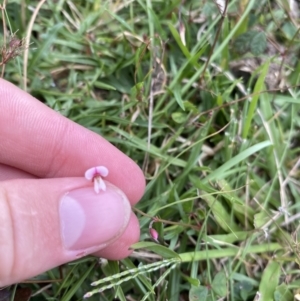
(219, 151)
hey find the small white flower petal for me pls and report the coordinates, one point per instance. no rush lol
(102, 171)
(102, 185)
(90, 173)
(96, 185)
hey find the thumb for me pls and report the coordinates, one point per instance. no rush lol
(47, 222)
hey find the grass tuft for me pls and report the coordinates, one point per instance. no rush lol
(213, 120)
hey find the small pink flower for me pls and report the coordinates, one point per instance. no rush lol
(153, 234)
(96, 174)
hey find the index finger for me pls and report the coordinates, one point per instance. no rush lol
(42, 142)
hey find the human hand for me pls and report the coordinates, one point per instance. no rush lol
(49, 213)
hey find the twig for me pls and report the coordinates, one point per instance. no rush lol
(27, 42)
(3, 6)
(295, 167)
(216, 38)
(164, 221)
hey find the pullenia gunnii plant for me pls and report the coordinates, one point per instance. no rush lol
(96, 174)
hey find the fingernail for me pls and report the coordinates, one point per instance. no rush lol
(89, 219)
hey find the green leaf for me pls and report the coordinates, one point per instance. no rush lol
(190, 107)
(177, 94)
(198, 293)
(243, 42)
(219, 284)
(226, 238)
(219, 172)
(258, 43)
(104, 86)
(260, 219)
(76, 285)
(289, 30)
(245, 288)
(111, 268)
(137, 91)
(179, 117)
(156, 248)
(49, 39)
(123, 22)
(253, 41)
(227, 252)
(269, 281)
(282, 293)
(193, 281)
(140, 144)
(177, 38)
(238, 204)
(222, 216)
(259, 86)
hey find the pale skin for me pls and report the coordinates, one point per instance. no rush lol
(39, 143)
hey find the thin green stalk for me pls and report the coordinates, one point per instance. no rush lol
(229, 252)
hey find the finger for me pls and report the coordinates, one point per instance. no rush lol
(120, 248)
(10, 173)
(45, 223)
(117, 250)
(42, 142)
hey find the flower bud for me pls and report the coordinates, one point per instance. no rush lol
(154, 234)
